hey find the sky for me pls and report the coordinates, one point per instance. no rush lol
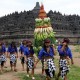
(64, 6)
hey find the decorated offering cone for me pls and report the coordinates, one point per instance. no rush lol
(43, 28)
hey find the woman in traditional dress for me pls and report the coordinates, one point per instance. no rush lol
(29, 57)
(65, 54)
(2, 56)
(13, 55)
(47, 55)
(21, 50)
(5, 53)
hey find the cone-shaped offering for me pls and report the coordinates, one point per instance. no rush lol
(43, 28)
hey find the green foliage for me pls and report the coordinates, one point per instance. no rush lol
(39, 41)
(36, 50)
(77, 48)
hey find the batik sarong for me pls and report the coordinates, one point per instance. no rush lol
(49, 64)
(13, 58)
(2, 58)
(30, 62)
(64, 67)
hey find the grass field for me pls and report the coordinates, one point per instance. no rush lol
(74, 74)
(77, 48)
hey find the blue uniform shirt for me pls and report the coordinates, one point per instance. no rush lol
(44, 53)
(27, 51)
(3, 49)
(67, 52)
(12, 50)
(22, 48)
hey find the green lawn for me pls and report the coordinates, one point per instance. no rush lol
(77, 48)
(22, 76)
(74, 74)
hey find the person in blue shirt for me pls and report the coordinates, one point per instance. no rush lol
(29, 57)
(5, 53)
(21, 50)
(46, 54)
(65, 54)
(13, 55)
(2, 56)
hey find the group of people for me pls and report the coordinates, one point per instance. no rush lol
(45, 55)
(10, 53)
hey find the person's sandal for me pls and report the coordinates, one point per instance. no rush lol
(15, 70)
(5, 66)
(27, 75)
(33, 78)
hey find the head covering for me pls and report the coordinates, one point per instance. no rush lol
(66, 40)
(1, 42)
(47, 41)
(29, 43)
(13, 44)
(23, 42)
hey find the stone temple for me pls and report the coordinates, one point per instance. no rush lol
(19, 26)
